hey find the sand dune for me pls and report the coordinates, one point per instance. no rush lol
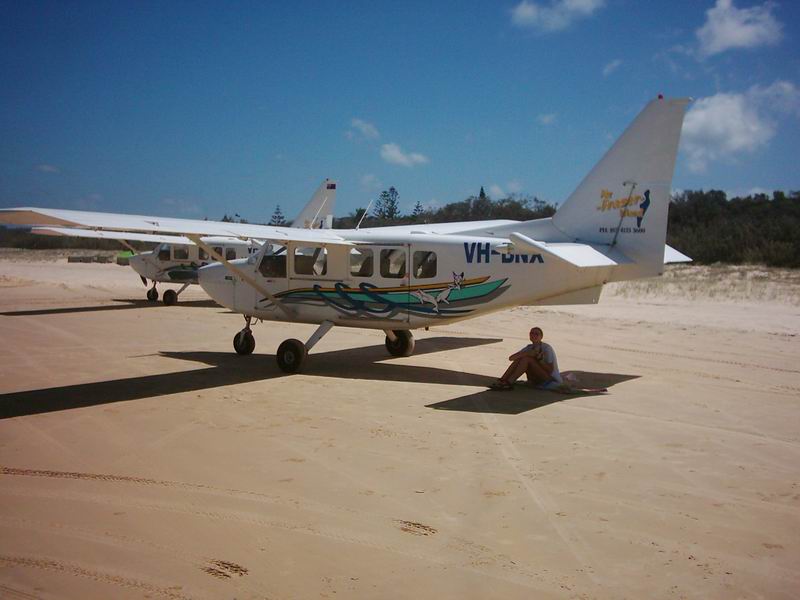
(140, 457)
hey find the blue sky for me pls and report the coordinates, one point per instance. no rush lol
(197, 109)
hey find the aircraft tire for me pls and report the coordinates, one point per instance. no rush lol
(291, 356)
(152, 294)
(170, 297)
(403, 345)
(244, 342)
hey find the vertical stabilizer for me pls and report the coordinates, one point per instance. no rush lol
(623, 201)
(318, 213)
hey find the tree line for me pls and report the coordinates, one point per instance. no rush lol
(705, 225)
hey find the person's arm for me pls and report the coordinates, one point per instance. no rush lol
(547, 363)
(524, 352)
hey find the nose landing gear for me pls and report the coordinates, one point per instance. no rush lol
(244, 342)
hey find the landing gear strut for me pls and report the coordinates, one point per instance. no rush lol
(399, 342)
(292, 353)
(244, 342)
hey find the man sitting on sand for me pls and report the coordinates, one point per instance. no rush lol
(537, 360)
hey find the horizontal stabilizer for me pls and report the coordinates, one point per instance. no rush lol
(673, 256)
(578, 255)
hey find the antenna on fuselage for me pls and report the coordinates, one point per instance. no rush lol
(364, 216)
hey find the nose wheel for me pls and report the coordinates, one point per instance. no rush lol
(152, 294)
(244, 342)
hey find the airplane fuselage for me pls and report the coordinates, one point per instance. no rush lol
(179, 263)
(396, 282)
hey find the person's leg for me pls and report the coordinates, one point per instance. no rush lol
(536, 373)
(521, 365)
(510, 371)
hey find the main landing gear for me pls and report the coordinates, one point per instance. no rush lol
(399, 342)
(292, 354)
(170, 296)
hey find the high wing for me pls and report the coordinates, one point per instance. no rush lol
(141, 224)
(111, 235)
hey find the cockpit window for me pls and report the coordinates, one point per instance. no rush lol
(311, 261)
(180, 253)
(163, 252)
(273, 265)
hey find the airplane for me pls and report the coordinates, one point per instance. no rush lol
(177, 259)
(400, 278)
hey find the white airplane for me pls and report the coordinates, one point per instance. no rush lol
(177, 259)
(396, 279)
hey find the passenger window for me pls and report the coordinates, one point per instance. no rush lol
(311, 261)
(361, 262)
(180, 253)
(203, 254)
(163, 252)
(393, 263)
(424, 264)
(274, 265)
(230, 253)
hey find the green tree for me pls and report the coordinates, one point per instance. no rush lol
(388, 206)
(277, 217)
(416, 214)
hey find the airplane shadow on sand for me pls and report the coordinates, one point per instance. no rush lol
(227, 368)
(124, 305)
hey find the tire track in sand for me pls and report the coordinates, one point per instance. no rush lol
(93, 574)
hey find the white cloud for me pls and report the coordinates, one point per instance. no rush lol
(728, 27)
(727, 125)
(557, 15)
(392, 153)
(367, 130)
(546, 119)
(611, 67)
(48, 168)
(370, 182)
(496, 192)
(181, 206)
(514, 186)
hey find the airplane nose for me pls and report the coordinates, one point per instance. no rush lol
(217, 283)
(137, 264)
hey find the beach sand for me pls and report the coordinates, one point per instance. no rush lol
(141, 457)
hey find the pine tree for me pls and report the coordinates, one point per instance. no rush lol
(277, 217)
(388, 205)
(416, 214)
(482, 195)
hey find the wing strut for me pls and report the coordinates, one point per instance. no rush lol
(241, 274)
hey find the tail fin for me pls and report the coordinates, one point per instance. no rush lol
(318, 213)
(623, 201)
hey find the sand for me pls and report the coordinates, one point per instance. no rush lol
(141, 457)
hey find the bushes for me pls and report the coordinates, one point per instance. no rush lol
(754, 229)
